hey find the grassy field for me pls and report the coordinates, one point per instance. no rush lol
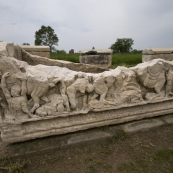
(129, 59)
(66, 57)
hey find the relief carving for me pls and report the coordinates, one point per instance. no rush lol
(16, 97)
(38, 92)
(130, 91)
(153, 77)
(169, 80)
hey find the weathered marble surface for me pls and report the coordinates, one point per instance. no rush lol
(40, 100)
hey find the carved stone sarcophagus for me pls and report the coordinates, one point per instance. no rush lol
(38, 101)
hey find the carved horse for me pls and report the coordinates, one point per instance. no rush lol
(34, 86)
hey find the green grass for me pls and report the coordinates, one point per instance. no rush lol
(126, 59)
(66, 57)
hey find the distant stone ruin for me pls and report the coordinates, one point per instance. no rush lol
(43, 51)
(97, 57)
(155, 53)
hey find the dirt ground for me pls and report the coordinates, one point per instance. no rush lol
(143, 152)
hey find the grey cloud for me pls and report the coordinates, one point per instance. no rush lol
(81, 24)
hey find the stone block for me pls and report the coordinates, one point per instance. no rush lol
(43, 51)
(155, 53)
(168, 119)
(36, 48)
(97, 57)
(167, 57)
(7, 49)
(3, 50)
(141, 125)
(88, 137)
(10, 49)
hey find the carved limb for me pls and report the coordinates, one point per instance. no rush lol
(85, 102)
(168, 88)
(36, 103)
(72, 102)
(25, 109)
(4, 85)
(102, 97)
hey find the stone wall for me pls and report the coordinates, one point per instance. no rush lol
(14, 50)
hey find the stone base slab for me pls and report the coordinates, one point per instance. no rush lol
(87, 137)
(11, 132)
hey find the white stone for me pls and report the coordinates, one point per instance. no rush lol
(7, 49)
(43, 51)
(157, 51)
(36, 48)
(3, 50)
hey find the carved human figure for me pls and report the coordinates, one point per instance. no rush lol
(130, 91)
(82, 85)
(51, 108)
(101, 85)
(169, 80)
(1, 110)
(16, 99)
(153, 77)
(63, 90)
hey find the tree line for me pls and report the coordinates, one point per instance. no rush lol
(46, 36)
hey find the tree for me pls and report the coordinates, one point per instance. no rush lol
(122, 45)
(46, 36)
(61, 52)
(26, 44)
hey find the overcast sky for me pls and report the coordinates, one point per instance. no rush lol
(82, 24)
